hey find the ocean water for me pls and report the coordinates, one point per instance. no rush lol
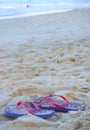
(24, 7)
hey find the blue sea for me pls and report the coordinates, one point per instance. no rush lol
(31, 7)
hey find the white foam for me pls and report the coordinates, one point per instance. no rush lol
(34, 14)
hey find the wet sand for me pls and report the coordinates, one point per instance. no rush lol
(41, 55)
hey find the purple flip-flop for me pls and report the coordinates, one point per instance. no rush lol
(24, 108)
(64, 105)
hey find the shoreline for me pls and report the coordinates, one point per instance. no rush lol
(85, 6)
(24, 24)
(35, 14)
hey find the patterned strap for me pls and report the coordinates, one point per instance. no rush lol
(55, 104)
(64, 98)
(43, 99)
(49, 100)
(26, 107)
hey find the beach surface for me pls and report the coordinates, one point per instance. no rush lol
(42, 55)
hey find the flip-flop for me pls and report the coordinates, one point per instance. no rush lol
(64, 105)
(24, 108)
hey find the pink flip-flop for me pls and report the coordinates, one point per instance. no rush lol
(62, 104)
(24, 108)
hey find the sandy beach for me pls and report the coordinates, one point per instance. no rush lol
(42, 55)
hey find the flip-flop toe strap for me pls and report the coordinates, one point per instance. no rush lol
(64, 98)
(48, 97)
(26, 107)
(56, 104)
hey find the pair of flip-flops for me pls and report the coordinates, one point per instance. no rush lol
(43, 107)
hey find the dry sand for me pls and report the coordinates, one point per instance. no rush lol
(41, 55)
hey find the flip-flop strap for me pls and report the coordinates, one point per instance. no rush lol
(43, 99)
(55, 104)
(26, 107)
(46, 97)
(64, 98)
(34, 105)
